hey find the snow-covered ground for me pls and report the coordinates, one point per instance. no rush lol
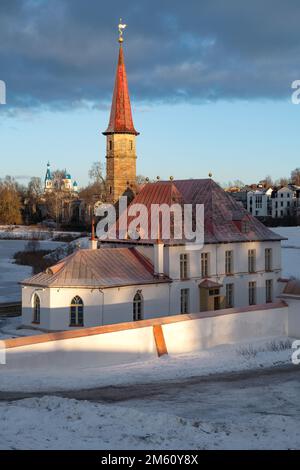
(256, 354)
(61, 423)
(10, 328)
(22, 232)
(290, 251)
(10, 273)
(173, 404)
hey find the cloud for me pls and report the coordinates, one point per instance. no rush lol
(62, 53)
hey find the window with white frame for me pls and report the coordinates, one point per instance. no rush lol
(204, 264)
(184, 301)
(76, 312)
(268, 259)
(269, 290)
(138, 307)
(259, 201)
(229, 295)
(229, 262)
(184, 260)
(251, 261)
(36, 309)
(252, 293)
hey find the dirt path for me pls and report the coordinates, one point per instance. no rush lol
(274, 376)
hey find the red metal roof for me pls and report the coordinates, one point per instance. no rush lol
(121, 117)
(210, 284)
(221, 210)
(106, 267)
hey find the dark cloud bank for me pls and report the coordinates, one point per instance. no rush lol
(62, 53)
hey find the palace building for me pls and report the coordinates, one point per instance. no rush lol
(123, 280)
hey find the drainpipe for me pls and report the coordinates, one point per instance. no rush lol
(102, 308)
(158, 258)
(93, 240)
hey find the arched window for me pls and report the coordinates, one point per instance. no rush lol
(138, 307)
(76, 312)
(36, 309)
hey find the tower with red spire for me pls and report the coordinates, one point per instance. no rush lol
(120, 137)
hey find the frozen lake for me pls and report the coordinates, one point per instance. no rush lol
(10, 273)
(290, 250)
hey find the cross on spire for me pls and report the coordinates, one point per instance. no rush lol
(121, 121)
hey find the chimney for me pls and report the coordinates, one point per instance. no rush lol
(158, 248)
(93, 240)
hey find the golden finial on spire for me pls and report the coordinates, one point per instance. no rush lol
(121, 27)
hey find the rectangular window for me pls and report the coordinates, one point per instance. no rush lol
(251, 261)
(184, 301)
(245, 226)
(259, 201)
(229, 262)
(268, 259)
(204, 264)
(184, 266)
(252, 293)
(269, 290)
(229, 295)
(212, 292)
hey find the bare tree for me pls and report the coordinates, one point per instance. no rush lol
(10, 204)
(238, 184)
(267, 182)
(35, 189)
(295, 177)
(96, 173)
(283, 181)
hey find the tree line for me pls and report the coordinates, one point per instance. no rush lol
(268, 181)
(16, 199)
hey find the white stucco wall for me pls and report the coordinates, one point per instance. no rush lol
(294, 317)
(131, 345)
(194, 335)
(90, 351)
(105, 307)
(240, 278)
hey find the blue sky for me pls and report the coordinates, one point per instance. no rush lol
(210, 86)
(238, 140)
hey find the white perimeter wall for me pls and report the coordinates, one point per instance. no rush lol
(194, 335)
(132, 345)
(89, 351)
(294, 318)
